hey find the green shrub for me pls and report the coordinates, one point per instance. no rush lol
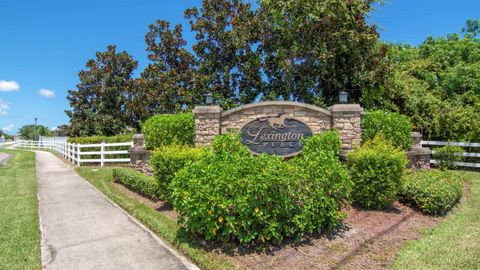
(99, 139)
(166, 129)
(376, 169)
(395, 127)
(139, 182)
(446, 156)
(229, 194)
(433, 192)
(167, 160)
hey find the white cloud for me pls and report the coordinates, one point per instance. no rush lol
(8, 128)
(46, 93)
(7, 86)
(4, 107)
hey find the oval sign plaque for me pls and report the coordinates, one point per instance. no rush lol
(281, 136)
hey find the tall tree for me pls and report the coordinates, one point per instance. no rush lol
(315, 49)
(167, 84)
(227, 49)
(99, 102)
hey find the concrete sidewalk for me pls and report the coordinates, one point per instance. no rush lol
(3, 158)
(81, 229)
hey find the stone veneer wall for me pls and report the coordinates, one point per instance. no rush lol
(211, 120)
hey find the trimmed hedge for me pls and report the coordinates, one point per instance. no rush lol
(166, 129)
(432, 192)
(395, 127)
(99, 139)
(376, 169)
(139, 182)
(167, 160)
(446, 156)
(228, 194)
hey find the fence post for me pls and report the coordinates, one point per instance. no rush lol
(102, 155)
(78, 154)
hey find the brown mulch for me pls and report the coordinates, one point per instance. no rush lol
(368, 240)
(161, 206)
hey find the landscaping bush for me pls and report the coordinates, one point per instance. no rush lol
(139, 182)
(229, 194)
(167, 160)
(376, 169)
(395, 127)
(446, 156)
(99, 139)
(166, 129)
(433, 192)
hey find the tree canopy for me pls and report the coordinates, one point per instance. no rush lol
(437, 84)
(304, 50)
(99, 102)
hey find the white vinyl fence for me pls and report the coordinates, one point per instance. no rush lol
(473, 155)
(80, 154)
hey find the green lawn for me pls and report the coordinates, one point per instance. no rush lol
(19, 229)
(454, 243)
(163, 226)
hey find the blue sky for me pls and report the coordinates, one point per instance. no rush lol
(43, 44)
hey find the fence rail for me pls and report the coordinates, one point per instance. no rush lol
(472, 155)
(83, 153)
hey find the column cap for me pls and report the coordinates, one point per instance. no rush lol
(346, 108)
(207, 109)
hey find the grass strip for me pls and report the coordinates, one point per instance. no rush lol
(19, 229)
(454, 243)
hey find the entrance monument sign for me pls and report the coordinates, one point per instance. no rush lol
(280, 135)
(278, 127)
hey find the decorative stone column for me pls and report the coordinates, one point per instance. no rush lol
(346, 119)
(138, 154)
(418, 156)
(207, 124)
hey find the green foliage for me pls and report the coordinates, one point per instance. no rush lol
(28, 132)
(99, 139)
(167, 129)
(446, 156)
(139, 182)
(436, 84)
(376, 169)
(99, 102)
(298, 50)
(166, 84)
(395, 127)
(229, 194)
(315, 49)
(166, 161)
(433, 192)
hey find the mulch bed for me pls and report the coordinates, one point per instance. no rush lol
(368, 240)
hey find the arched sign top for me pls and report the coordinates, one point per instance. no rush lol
(281, 135)
(277, 103)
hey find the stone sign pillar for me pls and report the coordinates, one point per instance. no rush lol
(138, 154)
(418, 156)
(207, 124)
(346, 119)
